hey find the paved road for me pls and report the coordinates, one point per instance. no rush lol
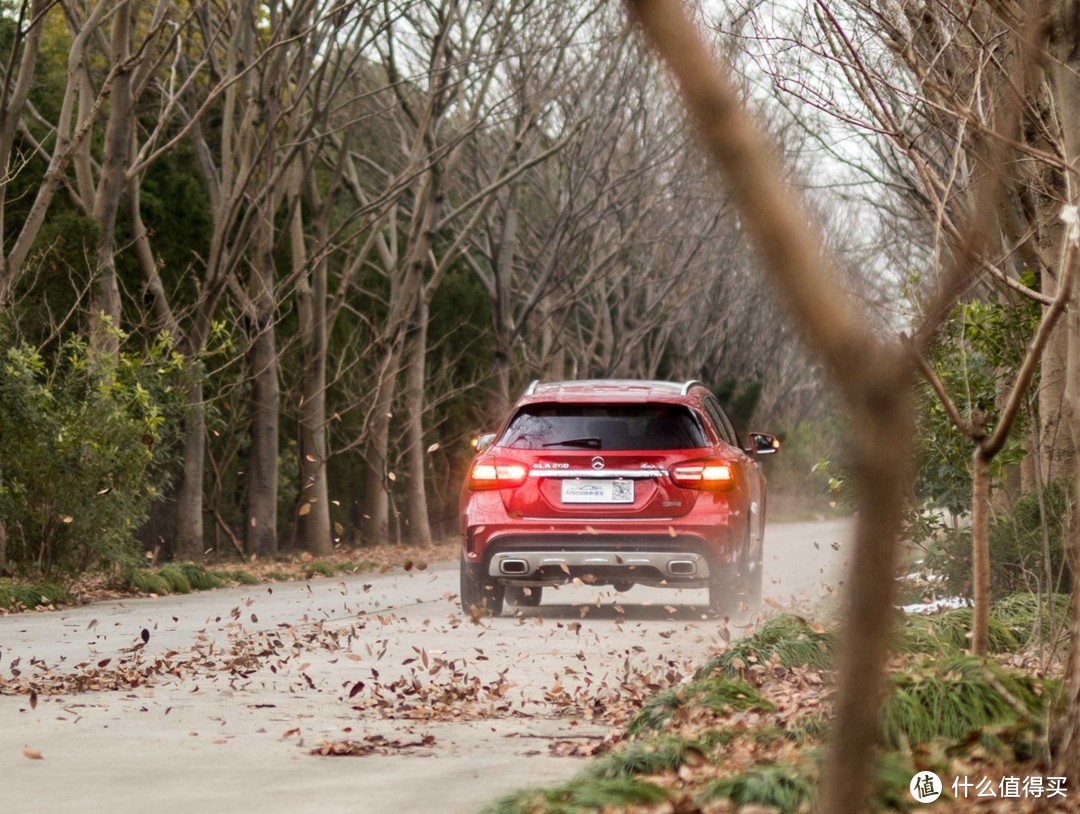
(215, 702)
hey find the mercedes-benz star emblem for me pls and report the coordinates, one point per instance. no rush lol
(597, 462)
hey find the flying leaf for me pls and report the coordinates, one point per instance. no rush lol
(305, 508)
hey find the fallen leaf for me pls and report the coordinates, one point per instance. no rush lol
(32, 754)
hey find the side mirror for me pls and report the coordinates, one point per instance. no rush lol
(763, 444)
(482, 441)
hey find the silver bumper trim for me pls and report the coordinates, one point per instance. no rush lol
(524, 564)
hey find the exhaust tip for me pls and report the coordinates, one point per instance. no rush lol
(682, 568)
(513, 566)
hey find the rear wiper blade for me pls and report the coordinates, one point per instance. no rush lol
(589, 443)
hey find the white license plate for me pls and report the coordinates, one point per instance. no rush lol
(594, 490)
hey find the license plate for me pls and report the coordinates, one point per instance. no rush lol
(597, 491)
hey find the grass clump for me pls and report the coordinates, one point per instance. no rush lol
(952, 698)
(581, 796)
(1014, 622)
(786, 640)
(323, 568)
(717, 694)
(201, 579)
(652, 756)
(239, 576)
(148, 582)
(17, 595)
(176, 578)
(776, 785)
(182, 578)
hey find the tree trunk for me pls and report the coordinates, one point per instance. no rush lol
(980, 550)
(416, 528)
(262, 468)
(375, 503)
(1057, 450)
(189, 494)
(105, 311)
(314, 523)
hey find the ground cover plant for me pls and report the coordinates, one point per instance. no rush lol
(749, 729)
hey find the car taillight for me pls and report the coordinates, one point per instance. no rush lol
(496, 474)
(707, 474)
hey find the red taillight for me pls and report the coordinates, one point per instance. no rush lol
(495, 474)
(707, 474)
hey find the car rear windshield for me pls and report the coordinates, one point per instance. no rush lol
(604, 426)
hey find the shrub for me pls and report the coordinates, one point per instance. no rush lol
(84, 444)
(1017, 557)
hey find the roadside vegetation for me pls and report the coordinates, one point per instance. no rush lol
(751, 727)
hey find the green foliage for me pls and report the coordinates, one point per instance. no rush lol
(149, 582)
(182, 578)
(665, 753)
(239, 576)
(176, 578)
(1015, 622)
(323, 568)
(18, 595)
(978, 354)
(580, 796)
(84, 448)
(951, 698)
(716, 694)
(1017, 560)
(777, 785)
(786, 640)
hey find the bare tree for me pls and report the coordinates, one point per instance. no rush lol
(874, 377)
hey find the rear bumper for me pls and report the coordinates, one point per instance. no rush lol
(526, 554)
(673, 566)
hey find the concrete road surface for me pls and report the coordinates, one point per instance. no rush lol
(221, 701)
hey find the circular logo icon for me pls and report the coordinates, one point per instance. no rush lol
(597, 462)
(926, 787)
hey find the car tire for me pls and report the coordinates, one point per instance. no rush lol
(755, 580)
(723, 589)
(480, 595)
(521, 597)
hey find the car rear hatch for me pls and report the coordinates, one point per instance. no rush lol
(601, 460)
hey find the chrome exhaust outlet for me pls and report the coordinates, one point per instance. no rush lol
(682, 568)
(513, 566)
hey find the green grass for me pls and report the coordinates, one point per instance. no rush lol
(651, 756)
(955, 697)
(323, 568)
(717, 694)
(1015, 622)
(580, 796)
(183, 578)
(776, 785)
(785, 640)
(15, 596)
(240, 576)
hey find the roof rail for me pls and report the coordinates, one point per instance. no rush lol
(688, 385)
(532, 387)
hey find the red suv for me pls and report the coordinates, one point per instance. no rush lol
(617, 483)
